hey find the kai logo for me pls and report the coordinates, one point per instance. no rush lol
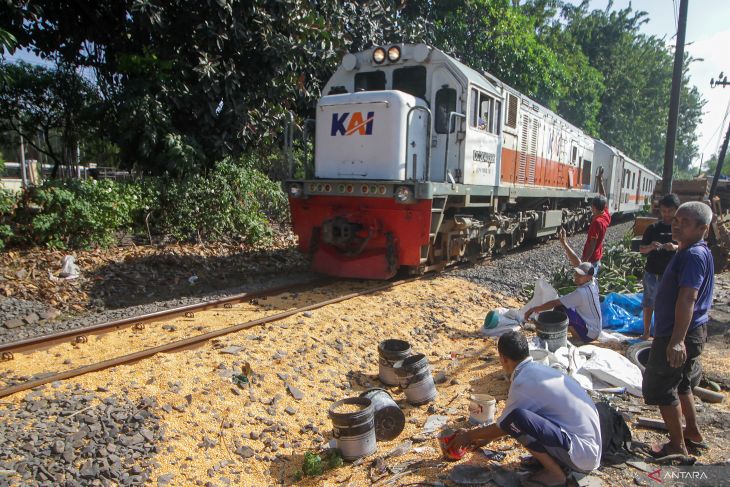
(356, 123)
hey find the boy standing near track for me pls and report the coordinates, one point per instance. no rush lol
(659, 249)
(683, 299)
(593, 248)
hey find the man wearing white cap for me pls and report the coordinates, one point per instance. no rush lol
(582, 305)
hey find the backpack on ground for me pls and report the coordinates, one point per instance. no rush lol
(615, 435)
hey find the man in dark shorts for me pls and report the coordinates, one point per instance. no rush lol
(593, 248)
(683, 303)
(546, 412)
(659, 249)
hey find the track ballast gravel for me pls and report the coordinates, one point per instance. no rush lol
(509, 274)
(44, 328)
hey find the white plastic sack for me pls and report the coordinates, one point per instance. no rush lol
(544, 292)
(612, 336)
(499, 330)
(611, 368)
(69, 269)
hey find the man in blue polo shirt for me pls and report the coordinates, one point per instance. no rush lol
(547, 412)
(683, 303)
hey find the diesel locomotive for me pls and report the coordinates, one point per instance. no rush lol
(421, 161)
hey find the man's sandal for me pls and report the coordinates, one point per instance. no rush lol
(696, 445)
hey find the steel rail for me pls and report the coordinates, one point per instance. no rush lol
(44, 340)
(187, 342)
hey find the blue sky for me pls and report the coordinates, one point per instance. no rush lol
(708, 38)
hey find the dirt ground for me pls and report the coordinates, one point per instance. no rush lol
(329, 354)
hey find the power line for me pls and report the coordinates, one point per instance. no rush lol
(718, 130)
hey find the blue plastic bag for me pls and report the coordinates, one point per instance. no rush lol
(623, 313)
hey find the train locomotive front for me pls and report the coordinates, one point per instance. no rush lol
(421, 162)
(358, 217)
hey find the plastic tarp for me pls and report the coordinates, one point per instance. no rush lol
(623, 313)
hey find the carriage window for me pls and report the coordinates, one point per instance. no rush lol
(411, 80)
(370, 81)
(575, 153)
(445, 104)
(337, 90)
(586, 177)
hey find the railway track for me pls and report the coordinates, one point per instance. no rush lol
(80, 336)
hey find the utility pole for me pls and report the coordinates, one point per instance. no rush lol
(674, 99)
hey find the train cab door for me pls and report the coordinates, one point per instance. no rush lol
(484, 127)
(446, 142)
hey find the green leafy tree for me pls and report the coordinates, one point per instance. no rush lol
(188, 83)
(47, 101)
(637, 73)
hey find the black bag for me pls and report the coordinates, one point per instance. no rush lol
(615, 435)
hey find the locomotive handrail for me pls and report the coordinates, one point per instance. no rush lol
(448, 135)
(375, 102)
(427, 173)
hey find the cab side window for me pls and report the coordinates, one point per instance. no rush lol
(485, 112)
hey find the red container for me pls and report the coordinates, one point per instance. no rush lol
(449, 453)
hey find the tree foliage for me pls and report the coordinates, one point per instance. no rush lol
(48, 101)
(185, 84)
(637, 74)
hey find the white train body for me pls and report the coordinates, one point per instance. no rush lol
(423, 144)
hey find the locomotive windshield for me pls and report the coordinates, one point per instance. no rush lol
(370, 81)
(411, 80)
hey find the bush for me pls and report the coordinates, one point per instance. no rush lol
(233, 203)
(8, 200)
(78, 213)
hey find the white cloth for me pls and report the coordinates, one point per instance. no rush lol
(560, 399)
(584, 300)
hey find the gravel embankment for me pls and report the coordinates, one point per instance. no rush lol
(68, 439)
(18, 307)
(510, 273)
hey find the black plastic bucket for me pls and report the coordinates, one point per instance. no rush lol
(389, 419)
(552, 328)
(354, 431)
(390, 352)
(414, 376)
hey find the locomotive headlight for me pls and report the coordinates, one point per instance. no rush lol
(403, 194)
(378, 55)
(295, 191)
(393, 53)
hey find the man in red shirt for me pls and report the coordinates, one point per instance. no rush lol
(593, 248)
